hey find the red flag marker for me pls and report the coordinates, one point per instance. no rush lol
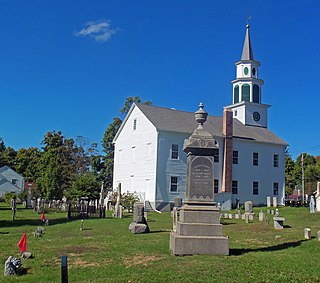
(43, 218)
(23, 243)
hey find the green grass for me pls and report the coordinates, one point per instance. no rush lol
(105, 251)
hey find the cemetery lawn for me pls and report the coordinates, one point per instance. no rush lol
(106, 251)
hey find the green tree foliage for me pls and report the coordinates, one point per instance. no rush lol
(85, 185)
(27, 163)
(107, 142)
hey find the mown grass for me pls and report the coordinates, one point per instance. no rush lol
(105, 251)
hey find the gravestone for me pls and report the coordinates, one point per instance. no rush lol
(312, 205)
(12, 266)
(262, 216)
(248, 206)
(230, 215)
(246, 217)
(318, 235)
(139, 224)
(198, 229)
(275, 202)
(307, 233)
(117, 209)
(178, 202)
(318, 197)
(237, 216)
(268, 201)
(278, 222)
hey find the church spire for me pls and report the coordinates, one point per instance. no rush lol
(247, 53)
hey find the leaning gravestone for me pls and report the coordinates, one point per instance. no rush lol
(198, 229)
(139, 224)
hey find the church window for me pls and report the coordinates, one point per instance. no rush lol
(246, 70)
(216, 155)
(255, 188)
(245, 92)
(236, 94)
(275, 188)
(255, 159)
(253, 71)
(173, 183)
(14, 181)
(275, 160)
(235, 157)
(174, 151)
(134, 124)
(256, 94)
(216, 186)
(235, 187)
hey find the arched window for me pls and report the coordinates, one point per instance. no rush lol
(236, 94)
(256, 94)
(245, 92)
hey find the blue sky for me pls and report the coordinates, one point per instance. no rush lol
(69, 65)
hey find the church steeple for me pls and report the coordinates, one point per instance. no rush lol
(246, 96)
(247, 53)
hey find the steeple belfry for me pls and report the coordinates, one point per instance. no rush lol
(246, 96)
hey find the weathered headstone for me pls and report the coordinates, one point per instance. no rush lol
(12, 266)
(198, 229)
(230, 215)
(318, 235)
(178, 202)
(268, 211)
(139, 224)
(38, 232)
(277, 212)
(307, 233)
(275, 202)
(268, 201)
(312, 205)
(278, 222)
(237, 216)
(246, 217)
(262, 216)
(272, 212)
(248, 206)
(117, 208)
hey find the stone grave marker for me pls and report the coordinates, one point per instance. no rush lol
(248, 206)
(262, 216)
(139, 224)
(198, 229)
(312, 205)
(275, 202)
(307, 233)
(318, 235)
(268, 201)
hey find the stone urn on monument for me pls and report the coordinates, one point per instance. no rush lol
(197, 228)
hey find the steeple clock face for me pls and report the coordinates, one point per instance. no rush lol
(256, 116)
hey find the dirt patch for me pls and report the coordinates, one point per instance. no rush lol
(77, 250)
(140, 260)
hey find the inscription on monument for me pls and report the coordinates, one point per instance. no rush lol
(201, 177)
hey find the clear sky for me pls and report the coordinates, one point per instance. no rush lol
(69, 65)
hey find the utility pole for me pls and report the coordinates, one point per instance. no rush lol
(302, 168)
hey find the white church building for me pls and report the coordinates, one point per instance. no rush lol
(249, 162)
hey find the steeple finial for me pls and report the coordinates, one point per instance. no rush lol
(247, 53)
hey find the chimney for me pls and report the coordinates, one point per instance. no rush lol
(228, 150)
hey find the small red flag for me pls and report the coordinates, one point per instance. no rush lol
(43, 218)
(23, 243)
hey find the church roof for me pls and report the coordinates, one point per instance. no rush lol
(247, 53)
(165, 119)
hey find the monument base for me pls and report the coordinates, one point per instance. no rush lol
(198, 231)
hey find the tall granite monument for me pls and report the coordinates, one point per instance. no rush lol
(197, 229)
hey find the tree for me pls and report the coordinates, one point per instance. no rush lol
(289, 170)
(107, 142)
(84, 185)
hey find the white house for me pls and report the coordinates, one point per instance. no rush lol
(250, 161)
(10, 181)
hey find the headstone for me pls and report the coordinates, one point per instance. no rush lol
(278, 222)
(12, 266)
(248, 206)
(226, 215)
(139, 224)
(38, 232)
(272, 212)
(178, 202)
(277, 212)
(275, 202)
(237, 216)
(262, 216)
(268, 211)
(318, 235)
(14, 208)
(246, 215)
(243, 216)
(230, 215)
(117, 208)
(312, 205)
(251, 215)
(81, 225)
(26, 255)
(198, 230)
(307, 233)
(268, 201)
